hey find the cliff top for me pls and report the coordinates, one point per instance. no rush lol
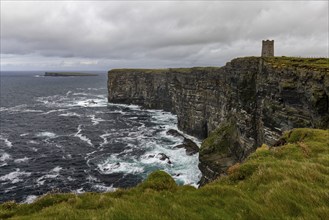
(164, 70)
(273, 183)
(320, 64)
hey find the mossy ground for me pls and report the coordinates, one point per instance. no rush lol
(220, 140)
(287, 182)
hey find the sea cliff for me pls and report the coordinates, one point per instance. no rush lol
(237, 107)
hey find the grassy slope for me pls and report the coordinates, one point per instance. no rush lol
(291, 181)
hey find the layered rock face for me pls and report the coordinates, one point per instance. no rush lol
(248, 102)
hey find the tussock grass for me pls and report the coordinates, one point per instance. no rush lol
(287, 182)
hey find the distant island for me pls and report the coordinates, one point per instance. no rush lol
(69, 74)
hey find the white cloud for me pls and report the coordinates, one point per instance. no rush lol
(107, 34)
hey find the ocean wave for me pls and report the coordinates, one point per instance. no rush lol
(19, 109)
(70, 114)
(6, 141)
(46, 134)
(94, 120)
(30, 199)
(90, 103)
(52, 174)
(14, 176)
(131, 106)
(115, 165)
(5, 156)
(103, 188)
(21, 160)
(24, 134)
(79, 191)
(52, 111)
(82, 137)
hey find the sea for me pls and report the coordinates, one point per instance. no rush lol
(59, 134)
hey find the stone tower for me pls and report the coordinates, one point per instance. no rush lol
(268, 48)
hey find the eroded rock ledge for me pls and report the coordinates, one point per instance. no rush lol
(248, 102)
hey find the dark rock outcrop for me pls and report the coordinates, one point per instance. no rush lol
(161, 156)
(190, 147)
(174, 133)
(250, 101)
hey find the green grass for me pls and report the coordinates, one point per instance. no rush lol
(298, 62)
(287, 182)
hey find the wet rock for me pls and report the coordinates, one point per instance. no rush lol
(190, 147)
(174, 133)
(112, 167)
(161, 156)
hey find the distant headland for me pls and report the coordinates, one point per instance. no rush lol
(69, 74)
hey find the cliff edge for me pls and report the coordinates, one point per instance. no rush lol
(237, 107)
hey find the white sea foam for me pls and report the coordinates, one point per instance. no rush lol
(53, 173)
(56, 169)
(82, 137)
(39, 76)
(3, 164)
(19, 108)
(21, 160)
(133, 107)
(95, 120)
(79, 191)
(92, 179)
(6, 141)
(31, 110)
(54, 110)
(183, 168)
(70, 114)
(30, 199)
(24, 134)
(46, 134)
(14, 176)
(5, 156)
(69, 178)
(115, 165)
(80, 94)
(104, 137)
(96, 89)
(90, 103)
(103, 188)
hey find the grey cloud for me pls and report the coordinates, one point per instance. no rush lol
(160, 33)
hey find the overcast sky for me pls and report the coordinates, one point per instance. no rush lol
(100, 35)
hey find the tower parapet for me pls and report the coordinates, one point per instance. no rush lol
(268, 48)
